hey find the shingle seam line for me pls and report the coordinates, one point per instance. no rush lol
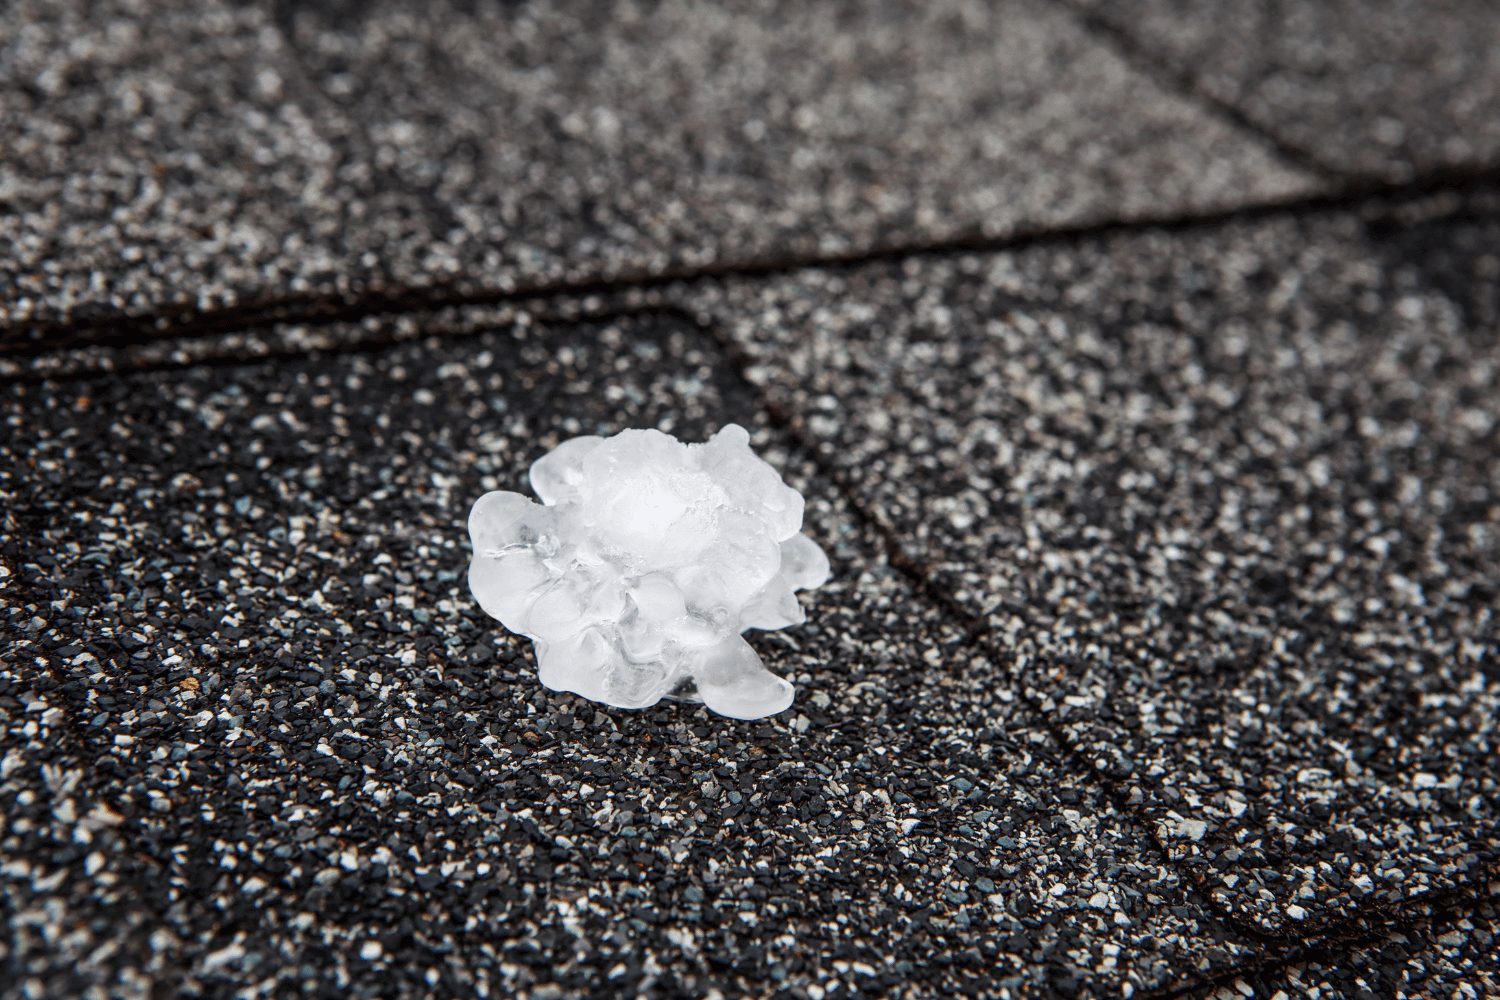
(29, 338)
(1185, 83)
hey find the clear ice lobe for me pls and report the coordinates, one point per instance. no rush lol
(643, 564)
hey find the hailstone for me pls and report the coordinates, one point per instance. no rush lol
(643, 564)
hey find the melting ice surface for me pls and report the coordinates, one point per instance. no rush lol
(642, 565)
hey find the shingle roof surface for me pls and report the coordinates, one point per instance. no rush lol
(1138, 370)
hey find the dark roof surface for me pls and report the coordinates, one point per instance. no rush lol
(255, 150)
(1413, 88)
(1138, 371)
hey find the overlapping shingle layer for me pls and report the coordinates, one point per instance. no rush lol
(1138, 368)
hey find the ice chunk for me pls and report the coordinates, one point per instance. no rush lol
(557, 475)
(803, 564)
(643, 564)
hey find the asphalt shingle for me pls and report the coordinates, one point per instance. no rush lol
(1387, 89)
(1454, 956)
(243, 772)
(276, 150)
(1159, 655)
(1224, 500)
(258, 736)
